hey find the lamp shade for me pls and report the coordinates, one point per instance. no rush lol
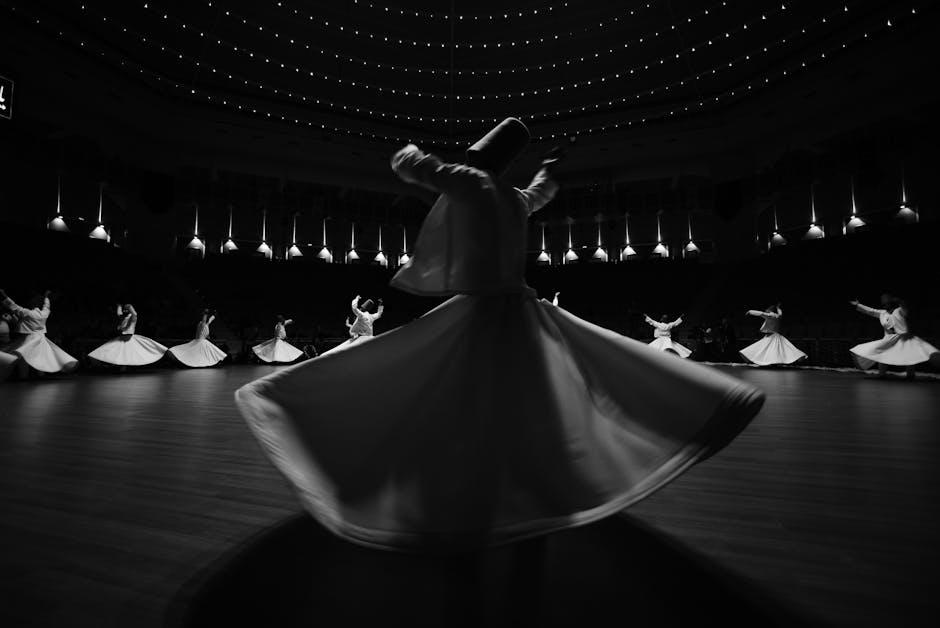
(58, 224)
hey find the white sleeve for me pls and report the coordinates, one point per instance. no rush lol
(414, 166)
(541, 190)
(864, 309)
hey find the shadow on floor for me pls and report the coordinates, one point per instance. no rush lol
(616, 571)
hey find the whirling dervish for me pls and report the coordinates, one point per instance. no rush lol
(199, 352)
(773, 348)
(494, 417)
(662, 336)
(361, 327)
(129, 348)
(898, 347)
(29, 342)
(277, 350)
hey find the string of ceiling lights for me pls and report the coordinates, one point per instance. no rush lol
(273, 33)
(140, 70)
(391, 116)
(319, 20)
(430, 15)
(440, 96)
(454, 143)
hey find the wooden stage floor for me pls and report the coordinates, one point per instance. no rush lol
(118, 490)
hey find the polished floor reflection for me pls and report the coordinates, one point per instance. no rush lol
(118, 491)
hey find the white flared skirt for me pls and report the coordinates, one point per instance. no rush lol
(893, 350)
(42, 354)
(134, 351)
(490, 419)
(277, 351)
(7, 363)
(772, 349)
(352, 342)
(198, 353)
(664, 343)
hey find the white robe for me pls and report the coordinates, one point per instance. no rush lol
(277, 350)
(363, 325)
(129, 349)
(495, 416)
(199, 352)
(33, 346)
(773, 348)
(898, 347)
(662, 337)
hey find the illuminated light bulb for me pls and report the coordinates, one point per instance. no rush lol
(777, 240)
(627, 253)
(543, 257)
(660, 250)
(352, 256)
(325, 255)
(380, 259)
(264, 249)
(600, 255)
(229, 246)
(294, 251)
(403, 259)
(691, 247)
(570, 256)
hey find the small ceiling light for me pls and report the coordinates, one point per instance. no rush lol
(815, 232)
(263, 248)
(627, 251)
(380, 258)
(294, 250)
(58, 223)
(691, 248)
(229, 245)
(854, 221)
(776, 239)
(99, 232)
(906, 212)
(570, 255)
(352, 255)
(600, 255)
(660, 249)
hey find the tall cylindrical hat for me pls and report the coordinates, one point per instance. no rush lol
(497, 149)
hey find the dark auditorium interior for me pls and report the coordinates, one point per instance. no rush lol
(720, 157)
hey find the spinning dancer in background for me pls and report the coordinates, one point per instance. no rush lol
(29, 341)
(494, 417)
(199, 352)
(662, 336)
(773, 348)
(129, 348)
(277, 350)
(361, 328)
(898, 347)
